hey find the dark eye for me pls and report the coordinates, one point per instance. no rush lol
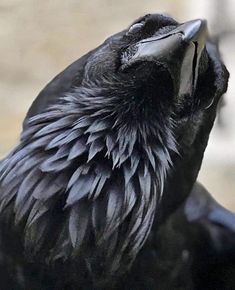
(135, 28)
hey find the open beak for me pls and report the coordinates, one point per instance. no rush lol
(179, 51)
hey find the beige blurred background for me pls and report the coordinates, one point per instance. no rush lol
(39, 38)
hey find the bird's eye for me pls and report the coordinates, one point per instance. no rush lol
(135, 28)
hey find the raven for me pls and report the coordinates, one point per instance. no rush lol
(109, 149)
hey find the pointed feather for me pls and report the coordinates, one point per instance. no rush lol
(83, 122)
(57, 140)
(55, 126)
(110, 144)
(29, 163)
(80, 189)
(114, 213)
(48, 186)
(65, 138)
(23, 209)
(100, 186)
(78, 223)
(151, 157)
(26, 187)
(96, 147)
(130, 198)
(8, 197)
(78, 149)
(57, 165)
(42, 141)
(39, 208)
(94, 136)
(30, 131)
(98, 126)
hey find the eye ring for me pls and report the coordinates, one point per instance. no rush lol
(135, 28)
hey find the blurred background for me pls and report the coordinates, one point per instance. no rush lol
(39, 38)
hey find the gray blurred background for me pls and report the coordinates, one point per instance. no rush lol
(39, 38)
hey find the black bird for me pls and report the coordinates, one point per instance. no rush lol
(112, 145)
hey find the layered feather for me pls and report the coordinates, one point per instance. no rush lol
(93, 180)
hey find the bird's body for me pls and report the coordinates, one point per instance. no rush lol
(109, 150)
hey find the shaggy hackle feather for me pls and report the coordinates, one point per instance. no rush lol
(99, 169)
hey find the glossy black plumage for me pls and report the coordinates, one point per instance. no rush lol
(108, 146)
(193, 249)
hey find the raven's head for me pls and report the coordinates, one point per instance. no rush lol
(98, 159)
(152, 67)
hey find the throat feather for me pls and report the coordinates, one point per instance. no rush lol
(106, 179)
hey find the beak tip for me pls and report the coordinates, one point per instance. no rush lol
(195, 30)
